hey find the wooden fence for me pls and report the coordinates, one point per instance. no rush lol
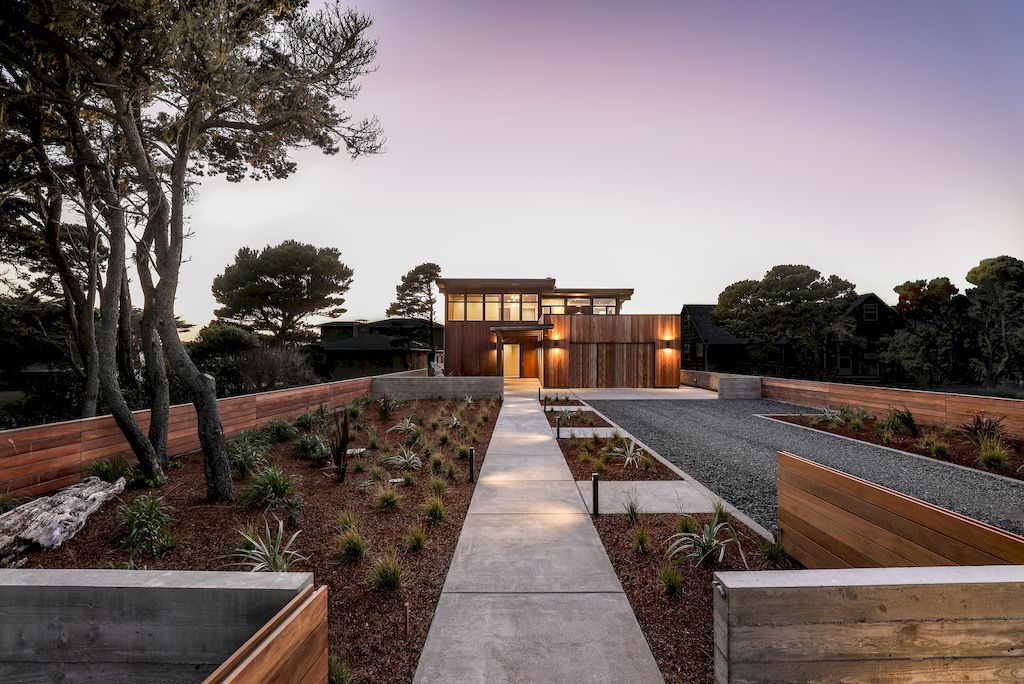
(931, 408)
(870, 625)
(828, 519)
(291, 647)
(43, 458)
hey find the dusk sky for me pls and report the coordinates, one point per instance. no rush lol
(672, 147)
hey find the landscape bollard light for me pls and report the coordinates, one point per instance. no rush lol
(545, 402)
(472, 464)
(558, 427)
(538, 394)
(594, 478)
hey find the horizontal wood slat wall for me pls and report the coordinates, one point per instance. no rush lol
(43, 458)
(828, 519)
(935, 408)
(870, 625)
(291, 647)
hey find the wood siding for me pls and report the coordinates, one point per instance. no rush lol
(877, 625)
(291, 648)
(828, 519)
(43, 458)
(933, 408)
(469, 348)
(612, 351)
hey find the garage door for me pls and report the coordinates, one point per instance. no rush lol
(611, 364)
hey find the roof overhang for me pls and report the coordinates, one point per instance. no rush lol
(484, 285)
(523, 327)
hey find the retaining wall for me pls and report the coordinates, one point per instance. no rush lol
(43, 458)
(447, 387)
(135, 626)
(877, 625)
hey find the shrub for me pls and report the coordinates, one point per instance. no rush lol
(443, 438)
(386, 406)
(280, 431)
(317, 420)
(434, 509)
(313, 448)
(982, 427)
(856, 424)
(992, 452)
(406, 459)
(641, 540)
(773, 555)
(449, 470)
(345, 521)
(438, 486)
(646, 463)
(670, 579)
(269, 486)
(902, 422)
(111, 469)
(885, 434)
(719, 514)
(338, 671)
(388, 500)
(632, 510)
(686, 524)
(351, 545)
(268, 552)
(379, 475)
(247, 453)
(416, 539)
(355, 408)
(387, 573)
(935, 447)
(142, 525)
(371, 437)
(706, 544)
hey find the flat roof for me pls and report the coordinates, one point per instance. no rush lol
(541, 285)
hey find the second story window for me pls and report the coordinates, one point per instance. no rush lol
(871, 312)
(530, 310)
(553, 305)
(474, 307)
(456, 307)
(604, 305)
(510, 307)
(492, 307)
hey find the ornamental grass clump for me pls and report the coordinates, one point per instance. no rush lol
(313, 448)
(111, 469)
(641, 539)
(141, 525)
(670, 579)
(388, 500)
(247, 453)
(992, 452)
(280, 431)
(416, 539)
(352, 546)
(387, 573)
(434, 509)
(268, 487)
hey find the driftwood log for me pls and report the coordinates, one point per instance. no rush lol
(49, 521)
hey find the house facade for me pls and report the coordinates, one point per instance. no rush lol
(564, 337)
(708, 346)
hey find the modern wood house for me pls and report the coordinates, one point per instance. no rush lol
(564, 337)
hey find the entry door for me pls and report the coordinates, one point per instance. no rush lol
(510, 356)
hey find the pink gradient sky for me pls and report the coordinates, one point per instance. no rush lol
(666, 146)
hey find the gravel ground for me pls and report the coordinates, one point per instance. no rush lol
(728, 448)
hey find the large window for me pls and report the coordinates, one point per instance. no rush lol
(553, 305)
(456, 307)
(474, 307)
(604, 305)
(510, 307)
(530, 310)
(492, 307)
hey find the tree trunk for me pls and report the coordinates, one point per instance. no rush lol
(159, 388)
(216, 466)
(126, 343)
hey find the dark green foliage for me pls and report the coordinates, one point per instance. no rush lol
(280, 431)
(248, 452)
(268, 487)
(686, 524)
(983, 427)
(338, 671)
(276, 288)
(901, 421)
(111, 469)
(142, 525)
(774, 555)
(313, 448)
(416, 297)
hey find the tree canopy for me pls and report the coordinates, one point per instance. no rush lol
(791, 303)
(416, 297)
(276, 289)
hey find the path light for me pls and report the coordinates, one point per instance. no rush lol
(594, 479)
(558, 427)
(472, 464)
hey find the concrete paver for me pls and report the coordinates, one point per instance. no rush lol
(652, 496)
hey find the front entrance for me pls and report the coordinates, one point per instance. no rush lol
(510, 355)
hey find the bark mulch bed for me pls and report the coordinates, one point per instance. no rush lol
(367, 627)
(571, 418)
(555, 400)
(679, 628)
(587, 455)
(959, 449)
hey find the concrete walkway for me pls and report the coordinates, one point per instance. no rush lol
(531, 595)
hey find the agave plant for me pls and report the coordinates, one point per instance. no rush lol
(267, 552)
(468, 400)
(406, 427)
(704, 544)
(630, 452)
(452, 422)
(405, 459)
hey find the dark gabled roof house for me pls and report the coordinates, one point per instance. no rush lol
(707, 345)
(356, 348)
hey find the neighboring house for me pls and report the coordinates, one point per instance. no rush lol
(706, 345)
(353, 349)
(564, 337)
(858, 358)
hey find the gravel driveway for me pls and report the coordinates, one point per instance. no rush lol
(726, 446)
